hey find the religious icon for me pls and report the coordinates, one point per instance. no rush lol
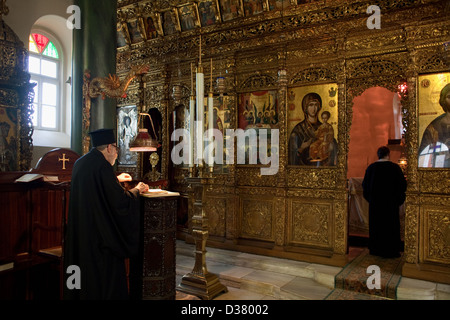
(169, 22)
(312, 127)
(279, 4)
(121, 40)
(181, 121)
(230, 9)
(208, 12)
(258, 110)
(253, 7)
(135, 31)
(8, 139)
(221, 122)
(151, 30)
(123, 35)
(188, 17)
(127, 124)
(434, 121)
(258, 113)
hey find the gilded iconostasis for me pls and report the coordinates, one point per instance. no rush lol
(296, 73)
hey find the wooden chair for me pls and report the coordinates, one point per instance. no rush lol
(50, 209)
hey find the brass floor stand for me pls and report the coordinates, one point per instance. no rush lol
(199, 281)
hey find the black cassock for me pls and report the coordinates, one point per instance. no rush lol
(102, 230)
(384, 187)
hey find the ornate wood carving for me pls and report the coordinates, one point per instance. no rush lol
(215, 208)
(316, 43)
(436, 228)
(311, 223)
(111, 86)
(16, 100)
(256, 220)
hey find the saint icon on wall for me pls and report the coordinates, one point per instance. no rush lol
(127, 120)
(434, 121)
(207, 10)
(8, 141)
(312, 140)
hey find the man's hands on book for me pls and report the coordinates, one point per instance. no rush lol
(142, 187)
(125, 177)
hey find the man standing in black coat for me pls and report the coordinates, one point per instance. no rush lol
(103, 223)
(384, 187)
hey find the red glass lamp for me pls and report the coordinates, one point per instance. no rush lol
(144, 142)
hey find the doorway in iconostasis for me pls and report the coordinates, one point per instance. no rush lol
(376, 121)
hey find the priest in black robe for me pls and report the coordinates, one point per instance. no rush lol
(102, 225)
(384, 187)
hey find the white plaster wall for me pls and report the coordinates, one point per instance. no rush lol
(46, 16)
(24, 13)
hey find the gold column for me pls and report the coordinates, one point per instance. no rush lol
(199, 281)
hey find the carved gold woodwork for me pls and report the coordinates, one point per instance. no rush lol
(257, 219)
(317, 43)
(16, 100)
(215, 208)
(111, 86)
(311, 223)
(436, 234)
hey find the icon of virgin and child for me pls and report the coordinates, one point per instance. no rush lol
(312, 141)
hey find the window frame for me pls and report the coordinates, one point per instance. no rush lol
(41, 79)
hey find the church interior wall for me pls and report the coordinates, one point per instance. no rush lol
(301, 212)
(48, 16)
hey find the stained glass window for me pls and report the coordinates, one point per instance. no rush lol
(42, 45)
(51, 51)
(44, 69)
(32, 46)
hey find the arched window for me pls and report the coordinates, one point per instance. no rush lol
(44, 68)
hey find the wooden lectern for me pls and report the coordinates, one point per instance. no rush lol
(153, 272)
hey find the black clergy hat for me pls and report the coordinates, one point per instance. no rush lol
(102, 136)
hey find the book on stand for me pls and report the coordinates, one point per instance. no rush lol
(36, 176)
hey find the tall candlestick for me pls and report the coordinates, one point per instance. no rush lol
(210, 119)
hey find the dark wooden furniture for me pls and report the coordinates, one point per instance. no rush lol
(153, 272)
(32, 220)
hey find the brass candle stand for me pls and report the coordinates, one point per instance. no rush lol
(200, 282)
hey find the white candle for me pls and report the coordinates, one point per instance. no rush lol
(191, 130)
(191, 120)
(210, 126)
(200, 91)
(211, 117)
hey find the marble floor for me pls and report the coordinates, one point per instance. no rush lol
(255, 277)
